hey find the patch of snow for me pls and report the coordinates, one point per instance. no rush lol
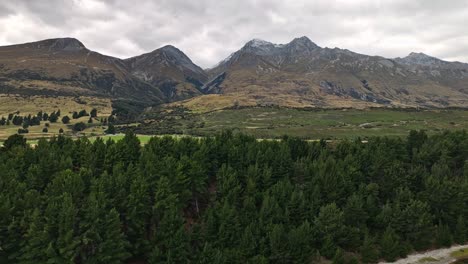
(257, 43)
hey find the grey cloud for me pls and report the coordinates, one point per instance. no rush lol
(209, 30)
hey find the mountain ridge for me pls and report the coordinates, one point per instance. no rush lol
(322, 77)
(65, 67)
(295, 74)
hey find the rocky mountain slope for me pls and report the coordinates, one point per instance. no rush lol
(303, 74)
(65, 67)
(296, 74)
(171, 71)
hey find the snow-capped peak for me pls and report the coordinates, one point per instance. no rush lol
(257, 43)
(420, 59)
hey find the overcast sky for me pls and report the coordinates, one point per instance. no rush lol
(209, 30)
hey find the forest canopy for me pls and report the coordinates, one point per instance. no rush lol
(231, 199)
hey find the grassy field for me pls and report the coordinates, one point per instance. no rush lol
(314, 124)
(276, 122)
(427, 259)
(143, 138)
(460, 254)
(67, 105)
(53, 129)
(32, 104)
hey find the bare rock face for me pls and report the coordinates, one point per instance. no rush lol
(65, 44)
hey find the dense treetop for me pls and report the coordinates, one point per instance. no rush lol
(231, 199)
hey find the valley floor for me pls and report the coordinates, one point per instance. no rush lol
(308, 124)
(271, 123)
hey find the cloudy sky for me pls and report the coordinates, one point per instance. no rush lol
(209, 30)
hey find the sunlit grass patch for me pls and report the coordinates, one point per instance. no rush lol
(427, 259)
(460, 254)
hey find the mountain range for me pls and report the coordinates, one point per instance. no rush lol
(296, 74)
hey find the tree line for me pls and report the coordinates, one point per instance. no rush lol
(231, 199)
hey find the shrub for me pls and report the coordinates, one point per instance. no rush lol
(65, 119)
(23, 131)
(79, 127)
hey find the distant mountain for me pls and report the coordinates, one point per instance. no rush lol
(296, 74)
(65, 67)
(171, 71)
(302, 74)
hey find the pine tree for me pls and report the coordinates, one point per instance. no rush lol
(113, 248)
(328, 247)
(368, 250)
(102, 239)
(460, 230)
(330, 223)
(300, 241)
(390, 245)
(14, 141)
(444, 236)
(93, 113)
(139, 200)
(172, 240)
(36, 240)
(339, 257)
(67, 240)
(66, 120)
(278, 246)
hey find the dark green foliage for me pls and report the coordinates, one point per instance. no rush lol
(369, 250)
(390, 245)
(444, 236)
(110, 129)
(111, 119)
(14, 141)
(93, 113)
(230, 199)
(76, 115)
(65, 120)
(79, 127)
(83, 113)
(23, 131)
(53, 117)
(461, 231)
(339, 257)
(26, 121)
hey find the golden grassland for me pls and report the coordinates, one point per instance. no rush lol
(96, 128)
(67, 105)
(33, 104)
(460, 254)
